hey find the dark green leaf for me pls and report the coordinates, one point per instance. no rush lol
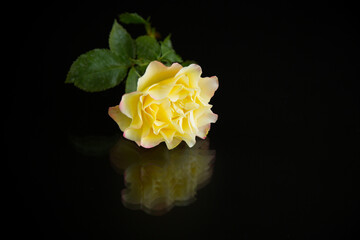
(167, 42)
(131, 81)
(121, 43)
(133, 18)
(147, 48)
(187, 63)
(97, 70)
(168, 54)
(140, 69)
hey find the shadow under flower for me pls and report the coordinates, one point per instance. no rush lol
(157, 179)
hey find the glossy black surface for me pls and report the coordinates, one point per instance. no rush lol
(286, 141)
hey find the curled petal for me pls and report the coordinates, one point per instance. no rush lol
(190, 140)
(173, 143)
(121, 119)
(208, 87)
(157, 72)
(129, 104)
(161, 90)
(203, 131)
(168, 135)
(133, 134)
(206, 118)
(151, 140)
(193, 72)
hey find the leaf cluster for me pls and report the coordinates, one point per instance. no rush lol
(126, 58)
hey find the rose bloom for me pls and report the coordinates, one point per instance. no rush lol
(171, 104)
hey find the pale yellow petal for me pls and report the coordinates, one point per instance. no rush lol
(182, 79)
(190, 140)
(168, 134)
(129, 104)
(158, 125)
(156, 72)
(174, 143)
(133, 134)
(162, 89)
(208, 86)
(192, 122)
(187, 133)
(176, 123)
(164, 112)
(206, 118)
(193, 72)
(147, 100)
(121, 119)
(203, 131)
(174, 94)
(151, 140)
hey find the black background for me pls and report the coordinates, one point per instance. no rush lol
(287, 138)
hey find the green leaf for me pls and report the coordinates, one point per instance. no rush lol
(147, 48)
(167, 42)
(187, 63)
(121, 43)
(140, 69)
(168, 54)
(97, 70)
(132, 18)
(131, 81)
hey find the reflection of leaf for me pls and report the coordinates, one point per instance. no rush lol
(157, 179)
(93, 146)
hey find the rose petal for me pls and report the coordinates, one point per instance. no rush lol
(168, 134)
(193, 72)
(208, 87)
(121, 119)
(173, 143)
(203, 131)
(133, 134)
(206, 118)
(156, 72)
(129, 104)
(190, 140)
(151, 140)
(158, 125)
(161, 90)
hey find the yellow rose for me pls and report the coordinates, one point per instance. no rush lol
(171, 104)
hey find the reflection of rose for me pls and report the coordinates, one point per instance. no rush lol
(158, 179)
(171, 104)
